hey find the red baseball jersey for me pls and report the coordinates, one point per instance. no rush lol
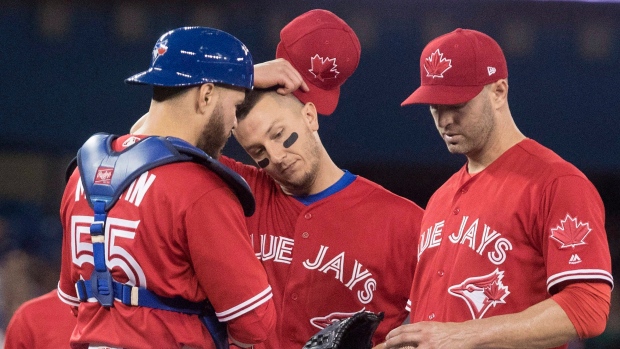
(42, 323)
(501, 241)
(347, 252)
(177, 230)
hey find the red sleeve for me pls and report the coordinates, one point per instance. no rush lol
(587, 306)
(573, 236)
(66, 287)
(227, 268)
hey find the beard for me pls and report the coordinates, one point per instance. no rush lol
(304, 182)
(477, 136)
(214, 136)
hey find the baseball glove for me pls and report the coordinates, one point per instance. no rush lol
(354, 332)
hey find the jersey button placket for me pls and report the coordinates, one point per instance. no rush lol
(305, 235)
(308, 215)
(456, 211)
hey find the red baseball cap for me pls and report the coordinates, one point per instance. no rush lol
(455, 67)
(325, 51)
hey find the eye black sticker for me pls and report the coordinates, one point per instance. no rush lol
(263, 163)
(290, 140)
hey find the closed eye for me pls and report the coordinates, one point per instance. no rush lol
(277, 135)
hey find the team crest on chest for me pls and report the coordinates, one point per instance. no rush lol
(481, 292)
(321, 322)
(570, 232)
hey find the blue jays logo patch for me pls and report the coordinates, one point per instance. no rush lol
(161, 47)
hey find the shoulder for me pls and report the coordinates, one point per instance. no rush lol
(375, 192)
(544, 160)
(189, 176)
(37, 307)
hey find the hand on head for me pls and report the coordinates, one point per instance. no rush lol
(278, 72)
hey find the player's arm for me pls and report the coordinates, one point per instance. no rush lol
(542, 325)
(227, 268)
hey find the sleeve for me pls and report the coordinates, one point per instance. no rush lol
(18, 333)
(587, 306)
(66, 287)
(256, 178)
(574, 240)
(227, 268)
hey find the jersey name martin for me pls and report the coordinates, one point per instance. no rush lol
(134, 193)
(280, 250)
(478, 236)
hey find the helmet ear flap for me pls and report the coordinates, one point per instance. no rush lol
(196, 55)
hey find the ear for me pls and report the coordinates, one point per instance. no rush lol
(499, 93)
(310, 116)
(206, 95)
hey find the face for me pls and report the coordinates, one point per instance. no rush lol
(222, 121)
(281, 140)
(466, 128)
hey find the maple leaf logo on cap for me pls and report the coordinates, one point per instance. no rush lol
(436, 65)
(570, 232)
(323, 68)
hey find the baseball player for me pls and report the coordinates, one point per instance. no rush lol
(42, 323)
(332, 243)
(513, 250)
(174, 244)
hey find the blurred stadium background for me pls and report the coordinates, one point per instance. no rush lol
(63, 64)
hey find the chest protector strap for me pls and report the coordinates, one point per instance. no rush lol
(105, 174)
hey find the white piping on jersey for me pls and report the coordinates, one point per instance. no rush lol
(68, 299)
(579, 274)
(246, 306)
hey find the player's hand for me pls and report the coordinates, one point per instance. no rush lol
(278, 72)
(428, 335)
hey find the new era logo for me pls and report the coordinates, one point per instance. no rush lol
(574, 259)
(491, 70)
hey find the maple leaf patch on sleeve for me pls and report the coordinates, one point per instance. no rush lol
(570, 232)
(323, 68)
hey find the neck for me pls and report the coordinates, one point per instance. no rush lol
(503, 138)
(167, 119)
(328, 174)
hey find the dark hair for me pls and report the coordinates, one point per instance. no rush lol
(251, 98)
(163, 93)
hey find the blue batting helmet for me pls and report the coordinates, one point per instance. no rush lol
(197, 55)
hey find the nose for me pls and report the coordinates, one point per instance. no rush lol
(276, 153)
(443, 117)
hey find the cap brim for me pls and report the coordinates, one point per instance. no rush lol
(440, 94)
(325, 101)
